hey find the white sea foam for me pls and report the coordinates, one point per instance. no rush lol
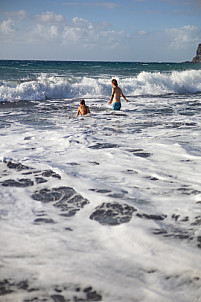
(146, 83)
(150, 159)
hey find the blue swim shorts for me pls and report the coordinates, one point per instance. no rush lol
(116, 106)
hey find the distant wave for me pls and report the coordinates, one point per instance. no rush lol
(145, 83)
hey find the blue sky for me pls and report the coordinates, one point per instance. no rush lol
(129, 30)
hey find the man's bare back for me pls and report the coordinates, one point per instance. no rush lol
(116, 94)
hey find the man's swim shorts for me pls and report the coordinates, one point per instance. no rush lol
(116, 106)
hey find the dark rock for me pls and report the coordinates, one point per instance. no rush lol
(199, 241)
(94, 163)
(113, 213)
(71, 205)
(139, 152)
(197, 221)
(103, 191)
(92, 295)
(197, 58)
(27, 138)
(21, 183)
(142, 154)
(180, 235)
(40, 213)
(116, 195)
(27, 173)
(153, 217)
(129, 171)
(185, 219)
(5, 287)
(17, 166)
(23, 285)
(20, 167)
(159, 232)
(103, 146)
(68, 229)
(73, 164)
(43, 220)
(58, 298)
(175, 217)
(59, 294)
(47, 195)
(68, 200)
(134, 150)
(40, 180)
(188, 191)
(152, 178)
(50, 173)
(8, 286)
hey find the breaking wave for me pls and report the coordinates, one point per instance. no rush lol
(57, 87)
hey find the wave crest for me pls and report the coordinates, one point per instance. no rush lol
(145, 83)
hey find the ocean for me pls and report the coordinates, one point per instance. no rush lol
(107, 206)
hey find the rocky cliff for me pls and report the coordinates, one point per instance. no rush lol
(197, 58)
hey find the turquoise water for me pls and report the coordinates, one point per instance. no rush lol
(39, 80)
(22, 69)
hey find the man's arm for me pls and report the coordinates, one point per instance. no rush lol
(112, 95)
(124, 97)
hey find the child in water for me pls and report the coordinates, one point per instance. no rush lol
(115, 96)
(82, 109)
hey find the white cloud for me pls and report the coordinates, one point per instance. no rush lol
(54, 31)
(89, 40)
(109, 5)
(49, 17)
(7, 27)
(180, 37)
(19, 15)
(142, 32)
(41, 34)
(87, 34)
(82, 23)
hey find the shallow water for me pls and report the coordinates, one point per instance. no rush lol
(104, 207)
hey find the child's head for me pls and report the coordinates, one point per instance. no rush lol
(82, 102)
(114, 82)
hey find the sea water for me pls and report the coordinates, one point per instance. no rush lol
(103, 207)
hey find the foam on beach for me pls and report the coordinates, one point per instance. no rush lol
(104, 207)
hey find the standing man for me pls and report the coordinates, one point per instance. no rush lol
(115, 96)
